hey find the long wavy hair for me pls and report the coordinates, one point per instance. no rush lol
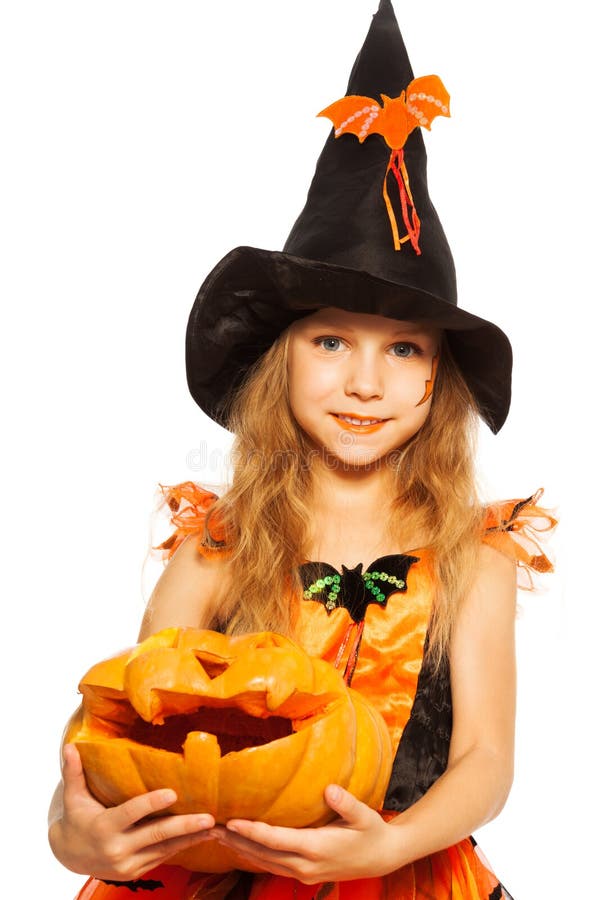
(265, 511)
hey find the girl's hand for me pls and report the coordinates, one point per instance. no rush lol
(357, 845)
(115, 843)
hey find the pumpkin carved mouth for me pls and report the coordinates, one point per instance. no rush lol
(234, 730)
(247, 726)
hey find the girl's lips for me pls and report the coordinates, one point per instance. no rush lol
(359, 429)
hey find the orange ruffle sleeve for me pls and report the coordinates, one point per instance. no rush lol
(517, 528)
(189, 507)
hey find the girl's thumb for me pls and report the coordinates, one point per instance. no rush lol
(344, 803)
(72, 770)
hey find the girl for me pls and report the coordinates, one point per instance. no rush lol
(353, 384)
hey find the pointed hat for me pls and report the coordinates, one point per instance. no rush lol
(342, 250)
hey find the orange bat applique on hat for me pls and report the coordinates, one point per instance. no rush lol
(423, 100)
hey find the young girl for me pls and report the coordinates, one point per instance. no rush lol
(353, 384)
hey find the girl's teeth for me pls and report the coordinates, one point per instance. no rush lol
(359, 421)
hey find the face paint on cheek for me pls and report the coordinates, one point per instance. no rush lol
(430, 381)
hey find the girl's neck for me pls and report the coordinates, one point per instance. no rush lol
(350, 517)
(337, 491)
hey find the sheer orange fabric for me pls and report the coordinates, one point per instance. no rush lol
(516, 527)
(189, 505)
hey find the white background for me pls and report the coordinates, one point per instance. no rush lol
(142, 141)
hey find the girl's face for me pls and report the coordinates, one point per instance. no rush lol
(379, 372)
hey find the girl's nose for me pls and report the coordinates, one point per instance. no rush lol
(364, 378)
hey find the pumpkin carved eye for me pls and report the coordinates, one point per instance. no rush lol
(247, 726)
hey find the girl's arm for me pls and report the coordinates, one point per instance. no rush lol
(478, 778)
(114, 843)
(472, 790)
(186, 593)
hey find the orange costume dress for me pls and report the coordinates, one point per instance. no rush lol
(374, 625)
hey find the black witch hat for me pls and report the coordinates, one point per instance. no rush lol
(341, 251)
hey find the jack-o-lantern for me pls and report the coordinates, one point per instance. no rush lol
(246, 727)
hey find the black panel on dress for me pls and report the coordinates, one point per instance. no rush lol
(422, 754)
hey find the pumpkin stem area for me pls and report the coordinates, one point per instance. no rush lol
(234, 729)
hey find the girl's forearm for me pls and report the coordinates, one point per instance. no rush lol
(470, 793)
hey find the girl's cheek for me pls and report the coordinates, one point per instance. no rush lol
(414, 387)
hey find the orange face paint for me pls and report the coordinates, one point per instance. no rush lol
(430, 381)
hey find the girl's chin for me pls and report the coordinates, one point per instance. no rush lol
(334, 458)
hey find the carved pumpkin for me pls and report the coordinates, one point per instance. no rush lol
(247, 726)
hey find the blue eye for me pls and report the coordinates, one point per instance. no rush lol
(328, 343)
(404, 351)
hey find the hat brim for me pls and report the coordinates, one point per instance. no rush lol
(252, 295)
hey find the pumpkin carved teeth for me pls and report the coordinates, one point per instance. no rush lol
(247, 726)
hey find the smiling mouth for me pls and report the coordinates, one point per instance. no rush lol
(359, 423)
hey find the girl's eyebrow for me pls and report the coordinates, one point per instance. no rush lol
(331, 324)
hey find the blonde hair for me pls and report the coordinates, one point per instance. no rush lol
(265, 510)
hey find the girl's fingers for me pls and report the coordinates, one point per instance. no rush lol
(265, 859)
(131, 811)
(151, 843)
(244, 833)
(158, 835)
(157, 853)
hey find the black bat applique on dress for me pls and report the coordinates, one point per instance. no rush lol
(141, 884)
(353, 588)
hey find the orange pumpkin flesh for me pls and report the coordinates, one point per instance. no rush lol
(245, 727)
